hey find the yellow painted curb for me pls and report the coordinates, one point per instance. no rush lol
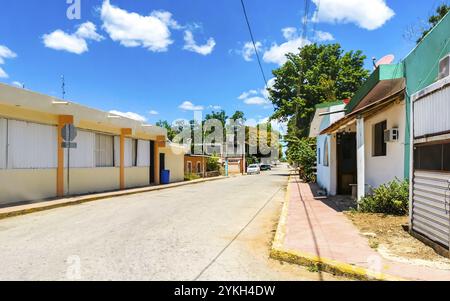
(278, 252)
(53, 204)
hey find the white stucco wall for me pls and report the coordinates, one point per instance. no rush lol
(327, 175)
(380, 170)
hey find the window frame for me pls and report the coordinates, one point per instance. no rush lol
(375, 153)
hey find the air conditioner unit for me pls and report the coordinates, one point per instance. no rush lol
(444, 67)
(391, 135)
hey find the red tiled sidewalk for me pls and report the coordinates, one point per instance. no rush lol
(309, 227)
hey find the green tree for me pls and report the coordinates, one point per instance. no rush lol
(441, 11)
(171, 133)
(318, 73)
(238, 115)
(302, 152)
(219, 115)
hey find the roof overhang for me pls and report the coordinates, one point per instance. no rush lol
(83, 116)
(385, 80)
(385, 86)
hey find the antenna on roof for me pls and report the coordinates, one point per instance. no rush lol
(63, 87)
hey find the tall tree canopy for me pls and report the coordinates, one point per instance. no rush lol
(318, 73)
(441, 11)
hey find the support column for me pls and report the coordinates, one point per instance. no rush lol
(360, 155)
(123, 133)
(62, 121)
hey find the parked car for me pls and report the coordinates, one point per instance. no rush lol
(265, 167)
(253, 169)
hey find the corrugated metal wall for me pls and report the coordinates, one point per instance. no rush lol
(31, 145)
(432, 113)
(104, 150)
(143, 153)
(84, 155)
(430, 215)
(3, 142)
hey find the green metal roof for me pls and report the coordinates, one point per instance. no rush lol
(383, 72)
(329, 104)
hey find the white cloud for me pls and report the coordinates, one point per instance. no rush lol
(289, 33)
(248, 51)
(88, 31)
(133, 30)
(130, 115)
(245, 95)
(277, 53)
(323, 36)
(367, 14)
(3, 74)
(258, 97)
(256, 100)
(75, 42)
(191, 45)
(17, 84)
(215, 107)
(5, 53)
(153, 112)
(189, 106)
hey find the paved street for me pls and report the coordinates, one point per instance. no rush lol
(219, 230)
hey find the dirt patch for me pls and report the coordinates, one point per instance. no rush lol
(386, 234)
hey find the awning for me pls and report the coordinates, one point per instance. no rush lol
(385, 86)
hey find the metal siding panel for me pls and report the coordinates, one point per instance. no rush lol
(432, 113)
(3, 136)
(104, 145)
(127, 152)
(143, 153)
(430, 215)
(31, 145)
(84, 155)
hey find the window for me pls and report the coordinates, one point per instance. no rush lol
(134, 152)
(434, 157)
(143, 153)
(326, 153)
(31, 145)
(189, 167)
(199, 167)
(379, 146)
(104, 150)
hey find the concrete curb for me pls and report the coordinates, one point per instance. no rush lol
(278, 252)
(48, 205)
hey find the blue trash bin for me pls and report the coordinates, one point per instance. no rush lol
(165, 177)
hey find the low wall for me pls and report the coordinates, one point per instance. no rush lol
(88, 180)
(19, 185)
(137, 177)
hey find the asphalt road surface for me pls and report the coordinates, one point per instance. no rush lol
(218, 230)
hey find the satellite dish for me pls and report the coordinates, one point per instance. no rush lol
(386, 60)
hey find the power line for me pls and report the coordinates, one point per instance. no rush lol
(254, 44)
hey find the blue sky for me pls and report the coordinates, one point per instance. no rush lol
(161, 58)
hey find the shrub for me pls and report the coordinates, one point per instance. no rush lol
(389, 198)
(212, 164)
(302, 153)
(191, 176)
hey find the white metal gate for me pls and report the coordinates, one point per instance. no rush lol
(430, 134)
(430, 215)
